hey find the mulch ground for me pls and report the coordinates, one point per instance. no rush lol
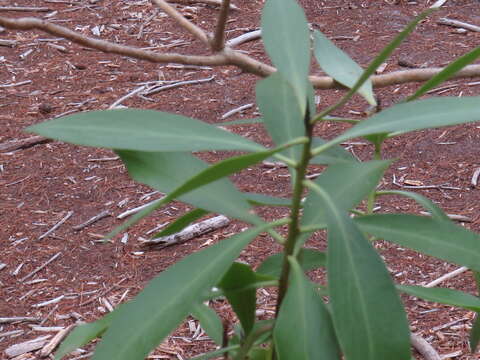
(42, 77)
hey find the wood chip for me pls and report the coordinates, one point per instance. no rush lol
(475, 176)
(23, 144)
(16, 319)
(188, 233)
(27, 346)
(53, 343)
(458, 24)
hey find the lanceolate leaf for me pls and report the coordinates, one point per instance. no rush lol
(143, 323)
(475, 334)
(367, 313)
(243, 301)
(167, 171)
(83, 334)
(447, 72)
(286, 39)
(340, 66)
(308, 258)
(141, 130)
(332, 155)
(281, 113)
(443, 296)
(441, 239)
(303, 329)
(347, 183)
(209, 321)
(261, 199)
(417, 115)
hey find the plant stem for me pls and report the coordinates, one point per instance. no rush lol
(250, 341)
(294, 226)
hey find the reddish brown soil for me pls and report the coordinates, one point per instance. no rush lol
(41, 184)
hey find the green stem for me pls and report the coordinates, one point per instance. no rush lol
(294, 226)
(250, 341)
(372, 196)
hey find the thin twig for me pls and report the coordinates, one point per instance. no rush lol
(103, 293)
(424, 348)
(447, 277)
(218, 42)
(92, 220)
(475, 176)
(137, 209)
(40, 267)
(57, 225)
(156, 89)
(227, 57)
(458, 24)
(182, 21)
(236, 111)
(249, 36)
(15, 319)
(24, 8)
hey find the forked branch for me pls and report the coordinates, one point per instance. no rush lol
(218, 42)
(224, 57)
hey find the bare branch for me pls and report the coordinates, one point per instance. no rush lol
(183, 22)
(226, 57)
(218, 42)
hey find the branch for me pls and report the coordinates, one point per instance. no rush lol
(182, 21)
(424, 348)
(226, 57)
(218, 42)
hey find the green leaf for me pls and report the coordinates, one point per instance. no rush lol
(281, 113)
(144, 322)
(181, 223)
(308, 258)
(348, 183)
(427, 204)
(337, 64)
(216, 353)
(83, 334)
(243, 301)
(475, 334)
(447, 72)
(303, 329)
(141, 130)
(286, 38)
(168, 172)
(332, 155)
(265, 200)
(240, 122)
(209, 321)
(417, 115)
(367, 312)
(441, 239)
(443, 296)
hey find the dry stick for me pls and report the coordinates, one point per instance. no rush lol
(446, 277)
(189, 232)
(249, 36)
(218, 42)
(16, 84)
(41, 267)
(226, 57)
(182, 21)
(92, 220)
(24, 8)
(103, 293)
(438, 4)
(155, 89)
(8, 320)
(458, 24)
(57, 225)
(236, 111)
(137, 209)
(53, 343)
(23, 144)
(424, 348)
(475, 176)
(208, 2)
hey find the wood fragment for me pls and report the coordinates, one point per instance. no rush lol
(446, 277)
(125, 97)
(48, 302)
(103, 293)
(438, 3)
(16, 319)
(249, 36)
(424, 348)
(92, 220)
(11, 333)
(137, 209)
(57, 225)
(188, 233)
(53, 343)
(456, 217)
(208, 2)
(458, 24)
(156, 89)
(23, 144)
(475, 176)
(26, 82)
(27, 346)
(2, 266)
(236, 111)
(9, 43)
(40, 267)
(24, 8)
